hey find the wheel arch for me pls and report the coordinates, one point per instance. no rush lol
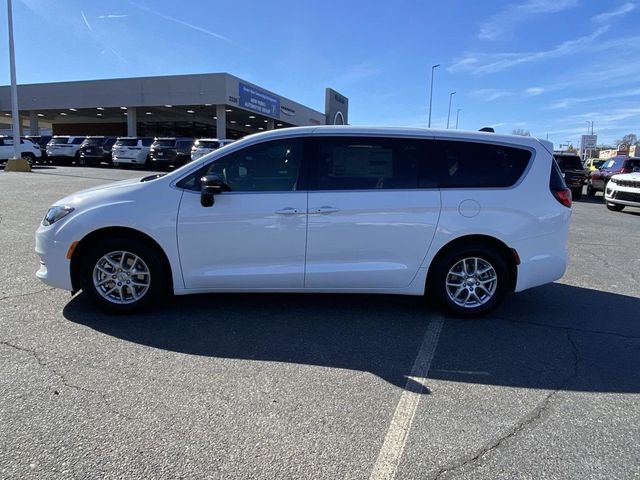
(113, 232)
(509, 255)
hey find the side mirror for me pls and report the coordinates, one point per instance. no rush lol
(210, 185)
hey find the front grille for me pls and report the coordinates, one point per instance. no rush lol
(626, 196)
(627, 183)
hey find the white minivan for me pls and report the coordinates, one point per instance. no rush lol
(463, 217)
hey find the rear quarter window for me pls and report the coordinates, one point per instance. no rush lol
(479, 165)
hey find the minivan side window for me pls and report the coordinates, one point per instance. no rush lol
(464, 164)
(365, 163)
(266, 167)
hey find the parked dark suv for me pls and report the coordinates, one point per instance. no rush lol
(95, 150)
(618, 164)
(573, 171)
(170, 151)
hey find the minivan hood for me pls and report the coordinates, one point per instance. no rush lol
(101, 193)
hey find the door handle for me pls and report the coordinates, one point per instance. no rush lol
(326, 209)
(287, 211)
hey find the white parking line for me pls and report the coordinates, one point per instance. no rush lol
(398, 431)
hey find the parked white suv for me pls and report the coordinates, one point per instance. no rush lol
(461, 216)
(28, 149)
(131, 151)
(623, 190)
(64, 148)
(207, 145)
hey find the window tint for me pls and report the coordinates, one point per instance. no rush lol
(146, 142)
(59, 141)
(632, 164)
(126, 142)
(207, 144)
(363, 163)
(164, 143)
(93, 142)
(266, 167)
(568, 162)
(77, 141)
(469, 164)
(185, 144)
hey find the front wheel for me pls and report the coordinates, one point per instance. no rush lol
(123, 275)
(470, 281)
(614, 207)
(30, 158)
(590, 190)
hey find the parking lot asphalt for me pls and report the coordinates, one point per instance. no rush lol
(319, 386)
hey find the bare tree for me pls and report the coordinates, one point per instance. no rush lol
(628, 139)
(522, 132)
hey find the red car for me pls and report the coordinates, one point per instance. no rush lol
(620, 164)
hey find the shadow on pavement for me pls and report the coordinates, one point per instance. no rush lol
(555, 336)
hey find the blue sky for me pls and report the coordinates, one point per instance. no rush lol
(547, 66)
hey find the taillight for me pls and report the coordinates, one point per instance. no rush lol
(563, 195)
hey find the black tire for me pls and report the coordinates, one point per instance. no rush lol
(438, 280)
(576, 193)
(29, 157)
(82, 162)
(614, 207)
(590, 190)
(157, 284)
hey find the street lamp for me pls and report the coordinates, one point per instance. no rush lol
(15, 164)
(433, 67)
(458, 117)
(449, 114)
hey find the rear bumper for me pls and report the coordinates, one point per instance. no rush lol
(543, 259)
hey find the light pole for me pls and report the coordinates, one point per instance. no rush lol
(433, 67)
(15, 164)
(449, 114)
(590, 123)
(458, 117)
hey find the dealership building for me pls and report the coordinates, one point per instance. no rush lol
(215, 105)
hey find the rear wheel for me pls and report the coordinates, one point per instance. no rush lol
(576, 193)
(470, 281)
(590, 190)
(123, 275)
(614, 207)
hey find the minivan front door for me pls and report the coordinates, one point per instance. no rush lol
(253, 237)
(371, 220)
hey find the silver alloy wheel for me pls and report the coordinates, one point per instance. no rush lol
(121, 277)
(471, 282)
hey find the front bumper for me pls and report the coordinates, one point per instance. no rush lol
(618, 195)
(55, 268)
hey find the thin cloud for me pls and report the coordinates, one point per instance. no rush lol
(621, 11)
(567, 102)
(534, 91)
(490, 94)
(183, 23)
(507, 19)
(86, 22)
(113, 15)
(482, 64)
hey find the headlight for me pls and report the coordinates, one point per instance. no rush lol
(613, 180)
(56, 213)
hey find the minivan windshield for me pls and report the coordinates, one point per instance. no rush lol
(615, 162)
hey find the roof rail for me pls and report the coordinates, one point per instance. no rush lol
(487, 129)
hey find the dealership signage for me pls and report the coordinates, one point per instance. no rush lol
(589, 142)
(258, 100)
